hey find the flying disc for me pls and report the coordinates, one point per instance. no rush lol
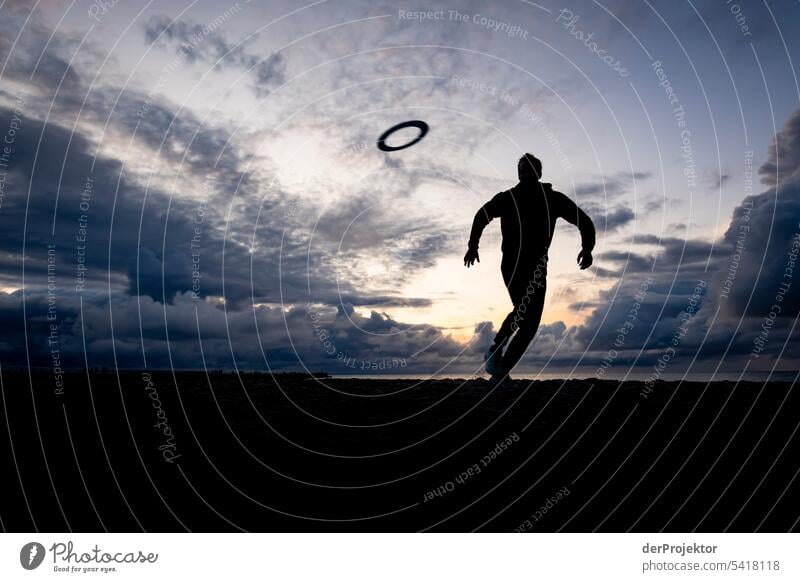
(421, 125)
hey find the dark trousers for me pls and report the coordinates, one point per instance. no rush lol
(527, 287)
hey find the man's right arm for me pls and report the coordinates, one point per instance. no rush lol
(484, 216)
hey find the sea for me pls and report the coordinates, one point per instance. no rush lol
(693, 376)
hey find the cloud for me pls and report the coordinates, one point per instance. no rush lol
(609, 219)
(189, 332)
(714, 179)
(206, 42)
(783, 158)
(137, 230)
(21, 42)
(608, 188)
(749, 294)
(761, 239)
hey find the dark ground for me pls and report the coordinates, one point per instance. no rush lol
(301, 454)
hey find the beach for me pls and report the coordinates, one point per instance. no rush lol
(162, 451)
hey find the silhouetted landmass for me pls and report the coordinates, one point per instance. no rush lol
(296, 452)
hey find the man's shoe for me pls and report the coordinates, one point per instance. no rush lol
(494, 366)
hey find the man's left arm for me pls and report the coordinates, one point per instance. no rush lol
(573, 214)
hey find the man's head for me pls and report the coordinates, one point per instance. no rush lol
(529, 168)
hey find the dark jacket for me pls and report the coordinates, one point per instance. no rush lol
(528, 214)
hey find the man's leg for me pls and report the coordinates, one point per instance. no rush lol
(504, 332)
(528, 315)
(516, 290)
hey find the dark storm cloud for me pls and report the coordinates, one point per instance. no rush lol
(669, 254)
(138, 253)
(22, 49)
(652, 306)
(171, 134)
(628, 261)
(677, 251)
(609, 187)
(616, 218)
(609, 219)
(755, 286)
(75, 195)
(764, 229)
(783, 158)
(203, 155)
(159, 262)
(67, 182)
(188, 333)
(749, 293)
(133, 244)
(40, 58)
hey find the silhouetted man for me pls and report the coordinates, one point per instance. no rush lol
(528, 214)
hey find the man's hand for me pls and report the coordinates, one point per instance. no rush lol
(585, 259)
(471, 257)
